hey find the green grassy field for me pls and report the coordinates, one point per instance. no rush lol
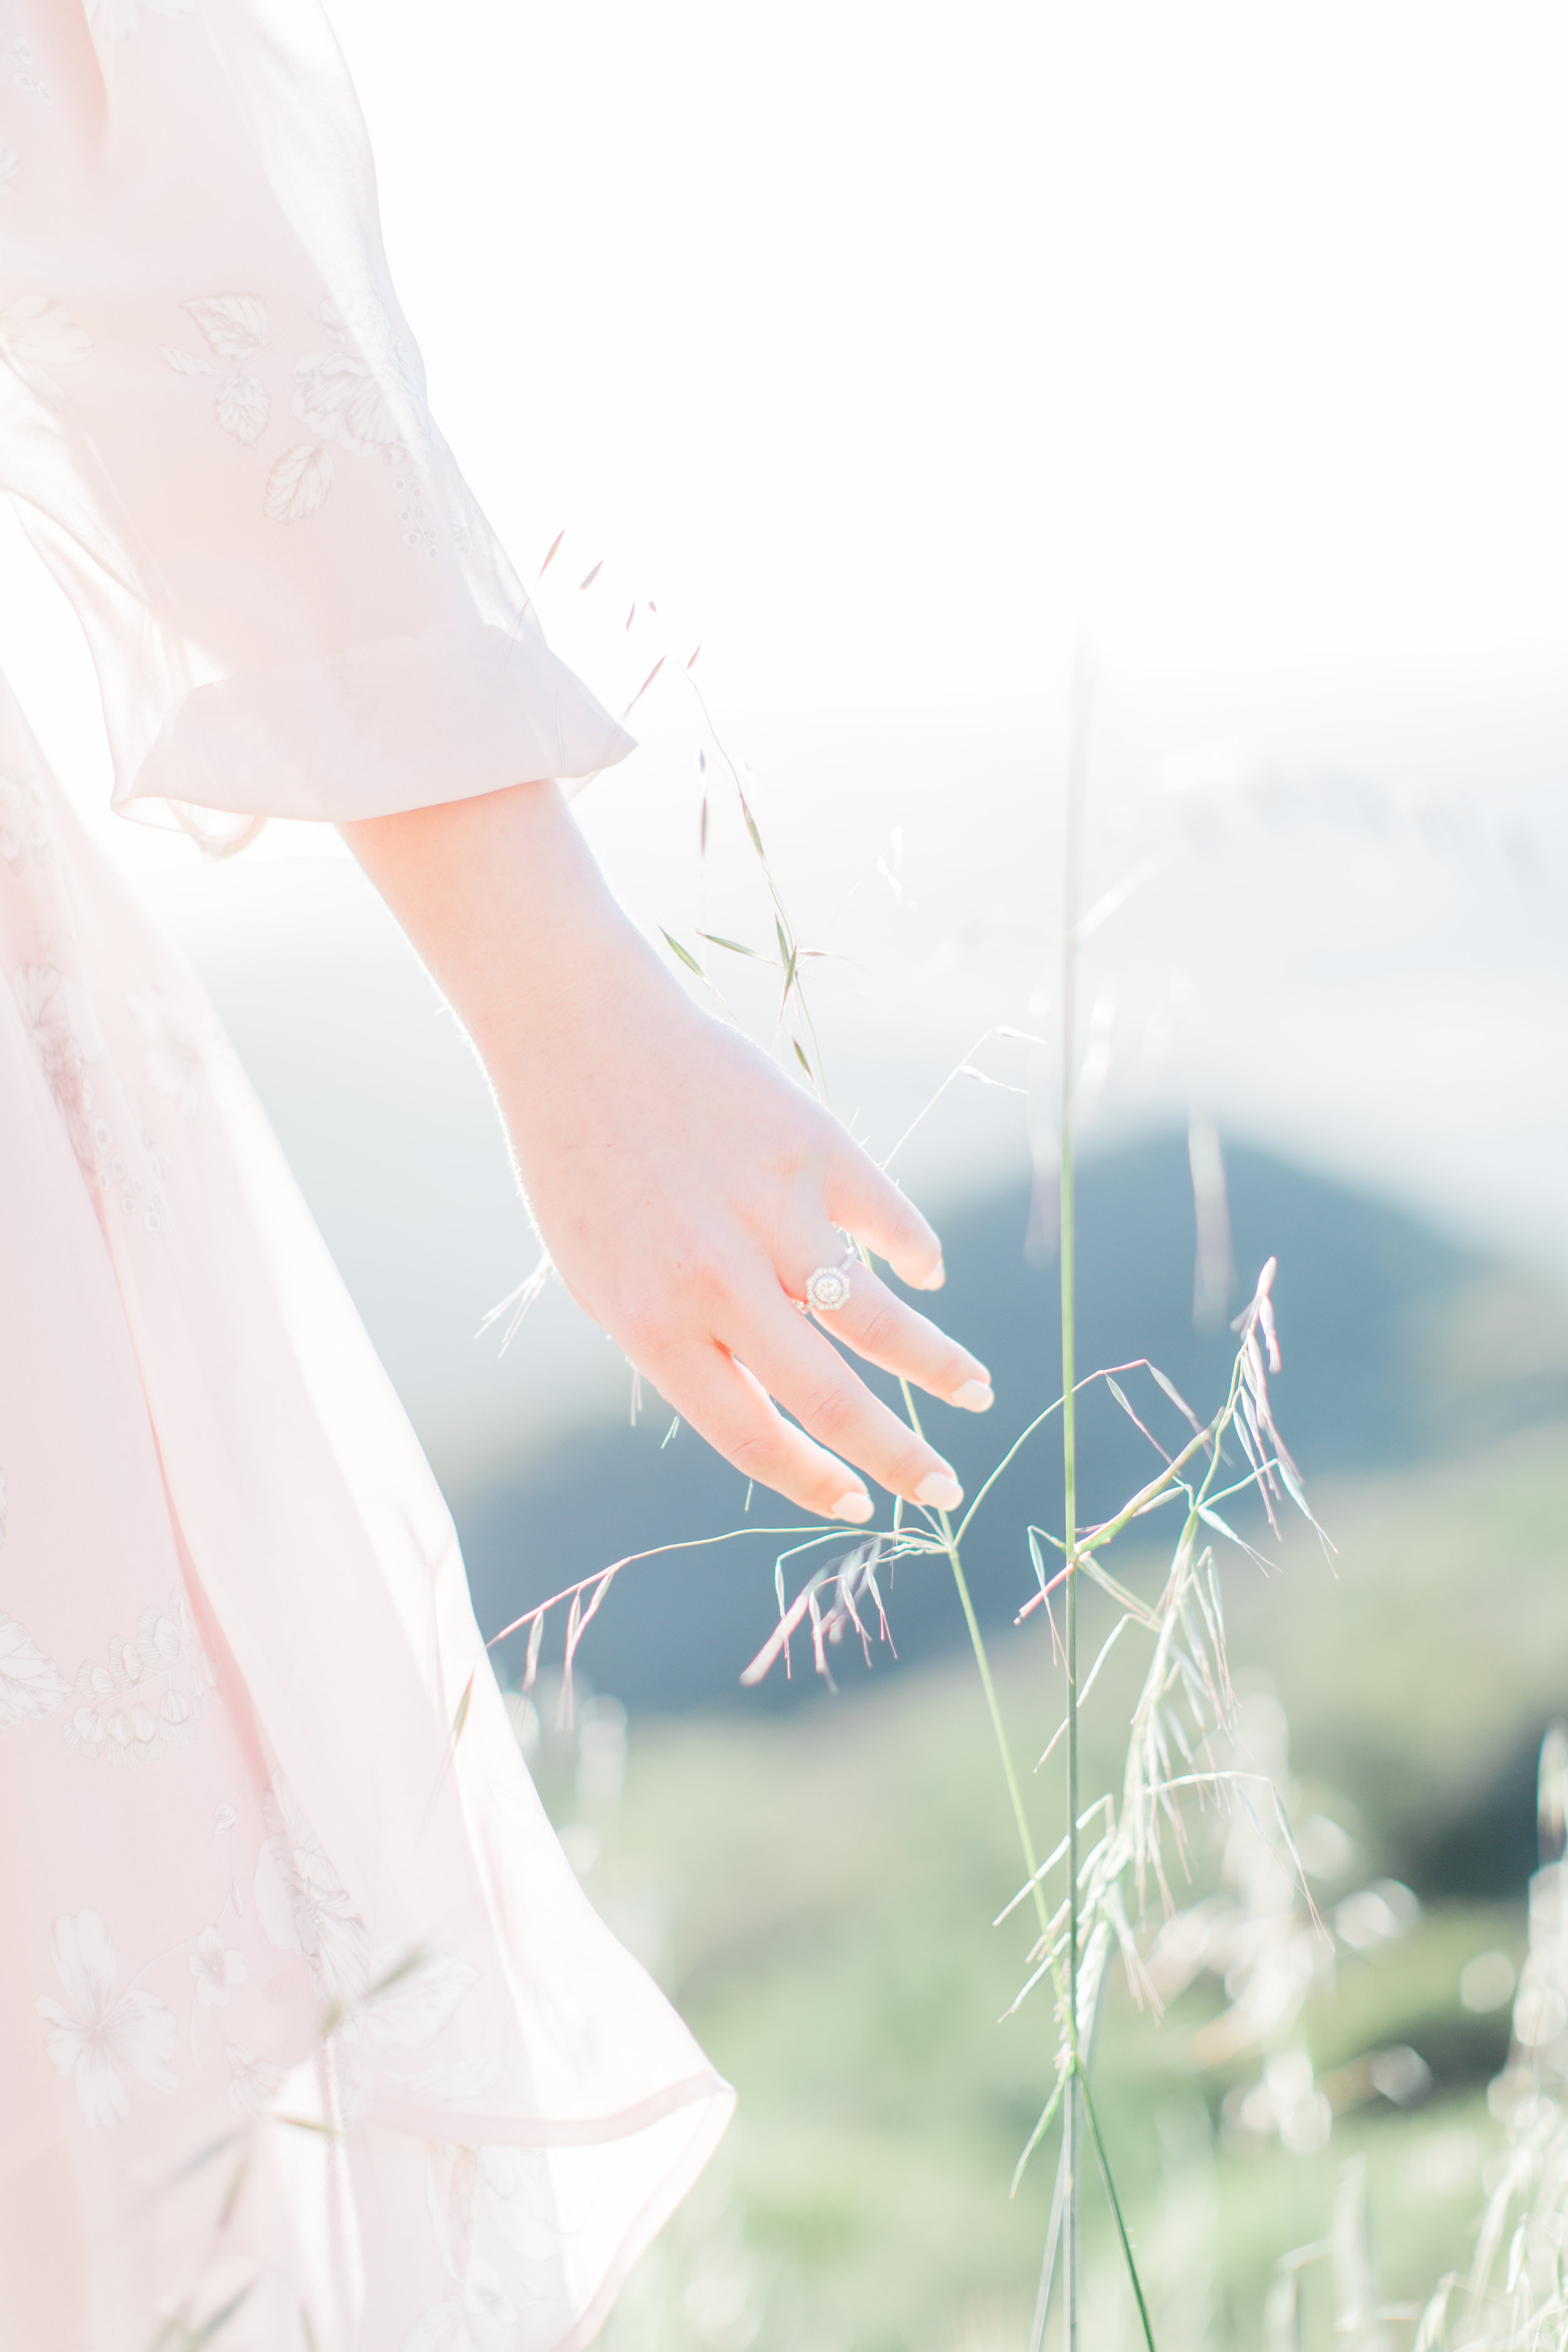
(816, 1892)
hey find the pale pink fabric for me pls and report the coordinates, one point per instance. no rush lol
(308, 2036)
(213, 414)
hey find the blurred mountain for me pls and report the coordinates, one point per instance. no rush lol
(1398, 1344)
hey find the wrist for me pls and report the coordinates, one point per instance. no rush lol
(500, 898)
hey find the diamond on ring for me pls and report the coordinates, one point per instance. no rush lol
(828, 1289)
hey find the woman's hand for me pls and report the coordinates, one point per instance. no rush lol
(685, 1188)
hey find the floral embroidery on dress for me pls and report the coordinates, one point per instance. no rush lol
(10, 164)
(30, 1684)
(442, 2329)
(59, 1019)
(175, 1059)
(444, 2326)
(218, 1967)
(23, 828)
(392, 1996)
(361, 390)
(411, 1995)
(101, 2030)
(44, 998)
(137, 1197)
(253, 2083)
(304, 1906)
(297, 483)
(242, 406)
(469, 2191)
(514, 2183)
(234, 325)
(146, 1699)
(24, 72)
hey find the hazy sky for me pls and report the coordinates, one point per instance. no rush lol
(885, 347)
(886, 350)
(891, 342)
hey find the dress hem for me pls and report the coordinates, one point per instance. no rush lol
(424, 2122)
(647, 2225)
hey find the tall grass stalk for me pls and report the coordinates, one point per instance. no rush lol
(1185, 1703)
(1073, 2112)
(1187, 1653)
(1514, 2292)
(1512, 2295)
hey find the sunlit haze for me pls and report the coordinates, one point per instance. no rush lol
(889, 354)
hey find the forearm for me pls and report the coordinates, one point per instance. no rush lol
(511, 915)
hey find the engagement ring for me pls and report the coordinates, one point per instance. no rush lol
(828, 1289)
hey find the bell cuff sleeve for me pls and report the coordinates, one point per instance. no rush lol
(214, 423)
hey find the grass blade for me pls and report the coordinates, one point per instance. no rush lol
(734, 946)
(686, 957)
(1116, 2211)
(1052, 2104)
(644, 687)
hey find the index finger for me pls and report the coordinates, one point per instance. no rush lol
(869, 1205)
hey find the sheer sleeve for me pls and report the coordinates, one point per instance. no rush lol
(214, 422)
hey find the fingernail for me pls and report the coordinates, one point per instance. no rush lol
(941, 1489)
(934, 1281)
(974, 1396)
(857, 1506)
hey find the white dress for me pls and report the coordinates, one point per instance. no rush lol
(308, 2036)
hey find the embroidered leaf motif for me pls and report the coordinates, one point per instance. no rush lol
(184, 362)
(242, 407)
(30, 1684)
(336, 395)
(297, 483)
(232, 324)
(34, 327)
(365, 391)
